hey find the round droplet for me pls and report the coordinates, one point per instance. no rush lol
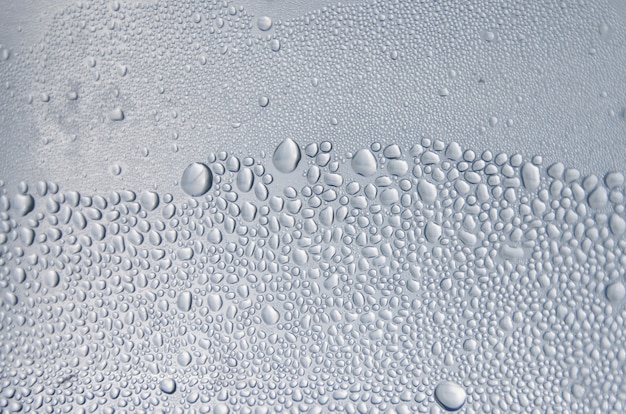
(197, 179)
(275, 45)
(615, 292)
(184, 359)
(215, 236)
(10, 298)
(287, 156)
(221, 408)
(450, 395)
(392, 151)
(116, 169)
(614, 179)
(149, 200)
(264, 23)
(168, 386)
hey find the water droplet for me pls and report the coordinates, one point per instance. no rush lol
(168, 386)
(364, 163)
(197, 179)
(149, 200)
(598, 198)
(23, 204)
(264, 23)
(270, 315)
(530, 176)
(184, 301)
(214, 236)
(51, 278)
(287, 156)
(275, 45)
(432, 231)
(116, 114)
(215, 302)
(615, 292)
(427, 191)
(245, 179)
(450, 395)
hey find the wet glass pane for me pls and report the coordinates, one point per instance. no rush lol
(311, 206)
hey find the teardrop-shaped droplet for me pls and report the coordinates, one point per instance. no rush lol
(287, 156)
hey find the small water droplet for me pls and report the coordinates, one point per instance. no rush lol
(116, 114)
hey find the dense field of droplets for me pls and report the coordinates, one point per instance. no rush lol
(417, 279)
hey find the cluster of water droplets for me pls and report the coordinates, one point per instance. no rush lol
(421, 279)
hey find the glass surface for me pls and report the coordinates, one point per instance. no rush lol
(309, 206)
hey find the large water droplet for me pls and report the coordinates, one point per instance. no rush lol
(615, 292)
(23, 204)
(364, 163)
(530, 176)
(184, 301)
(168, 386)
(264, 23)
(245, 179)
(197, 179)
(287, 156)
(450, 395)
(51, 278)
(270, 315)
